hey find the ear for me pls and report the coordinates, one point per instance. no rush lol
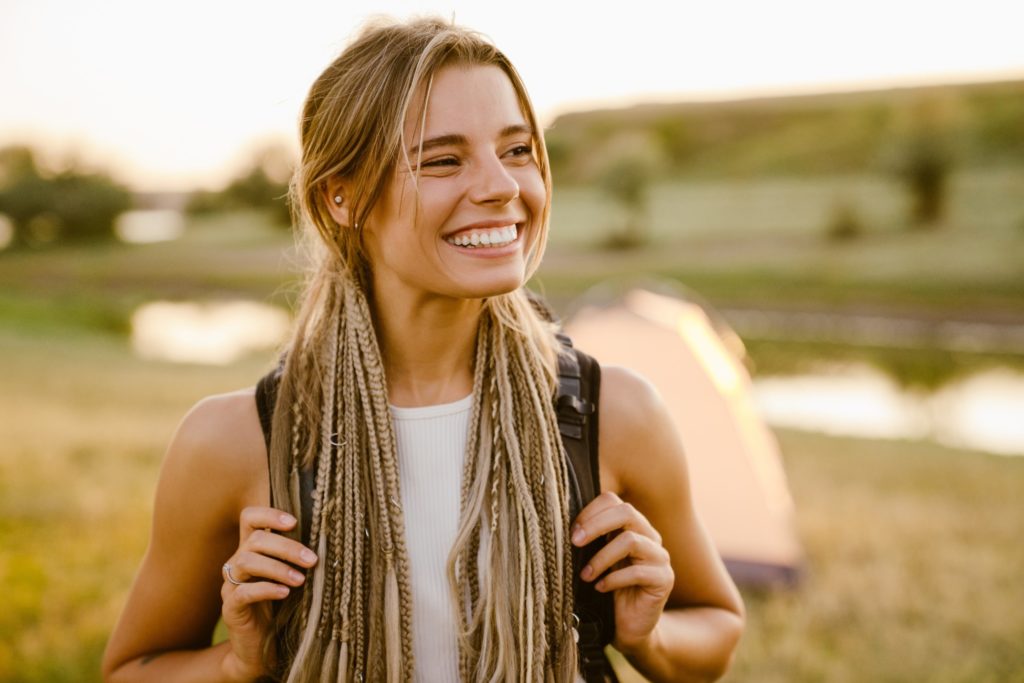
(338, 198)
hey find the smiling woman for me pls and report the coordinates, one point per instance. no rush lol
(463, 213)
(401, 499)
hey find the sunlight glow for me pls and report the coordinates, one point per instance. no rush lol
(171, 94)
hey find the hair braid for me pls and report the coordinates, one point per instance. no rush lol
(509, 569)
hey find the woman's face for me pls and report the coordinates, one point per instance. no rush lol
(468, 229)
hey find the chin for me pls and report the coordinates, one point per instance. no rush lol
(493, 287)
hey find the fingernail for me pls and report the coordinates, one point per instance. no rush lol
(287, 519)
(308, 556)
(587, 572)
(578, 535)
(295, 576)
(599, 585)
(282, 591)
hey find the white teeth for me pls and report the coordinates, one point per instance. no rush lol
(493, 238)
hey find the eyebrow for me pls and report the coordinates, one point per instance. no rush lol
(456, 139)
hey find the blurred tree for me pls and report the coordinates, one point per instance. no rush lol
(924, 154)
(633, 159)
(262, 185)
(72, 205)
(676, 139)
(925, 172)
(844, 222)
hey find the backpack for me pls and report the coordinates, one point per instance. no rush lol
(579, 380)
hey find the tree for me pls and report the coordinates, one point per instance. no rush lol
(924, 155)
(633, 161)
(73, 205)
(262, 185)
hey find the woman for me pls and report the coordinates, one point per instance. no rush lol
(425, 176)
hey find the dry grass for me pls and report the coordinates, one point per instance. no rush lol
(83, 430)
(914, 559)
(914, 553)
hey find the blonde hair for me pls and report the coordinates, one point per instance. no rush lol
(352, 620)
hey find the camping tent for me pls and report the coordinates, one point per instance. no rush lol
(736, 474)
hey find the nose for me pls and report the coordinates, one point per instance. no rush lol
(493, 184)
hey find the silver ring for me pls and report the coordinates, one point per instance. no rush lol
(227, 575)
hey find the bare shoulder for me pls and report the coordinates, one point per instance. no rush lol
(638, 440)
(219, 446)
(225, 426)
(214, 467)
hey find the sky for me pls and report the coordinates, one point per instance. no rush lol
(173, 96)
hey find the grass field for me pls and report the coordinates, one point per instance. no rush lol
(914, 553)
(914, 564)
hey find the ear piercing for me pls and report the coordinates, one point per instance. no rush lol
(337, 200)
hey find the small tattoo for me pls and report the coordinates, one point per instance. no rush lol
(149, 658)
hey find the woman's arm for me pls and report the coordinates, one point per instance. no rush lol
(214, 469)
(678, 613)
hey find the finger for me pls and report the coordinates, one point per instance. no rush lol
(619, 517)
(237, 599)
(598, 505)
(627, 545)
(249, 565)
(257, 517)
(657, 579)
(283, 548)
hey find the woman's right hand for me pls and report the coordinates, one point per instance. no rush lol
(264, 565)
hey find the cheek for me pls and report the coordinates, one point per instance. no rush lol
(531, 189)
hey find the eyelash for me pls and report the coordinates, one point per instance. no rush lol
(518, 150)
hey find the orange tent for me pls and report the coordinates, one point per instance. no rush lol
(737, 479)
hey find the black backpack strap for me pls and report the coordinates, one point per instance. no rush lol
(579, 387)
(266, 397)
(266, 400)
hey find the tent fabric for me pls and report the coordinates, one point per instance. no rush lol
(736, 476)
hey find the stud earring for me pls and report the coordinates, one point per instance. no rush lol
(337, 199)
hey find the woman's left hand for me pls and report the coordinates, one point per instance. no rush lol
(641, 575)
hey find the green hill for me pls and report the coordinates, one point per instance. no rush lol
(976, 125)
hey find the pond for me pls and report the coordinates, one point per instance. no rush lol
(215, 333)
(149, 225)
(984, 411)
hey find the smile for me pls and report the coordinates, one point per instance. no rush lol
(485, 238)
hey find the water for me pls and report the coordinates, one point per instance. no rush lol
(150, 225)
(984, 411)
(208, 333)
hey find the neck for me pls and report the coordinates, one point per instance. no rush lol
(428, 345)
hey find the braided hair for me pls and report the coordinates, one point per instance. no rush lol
(510, 569)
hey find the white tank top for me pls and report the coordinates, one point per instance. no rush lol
(431, 447)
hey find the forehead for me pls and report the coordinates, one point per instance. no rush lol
(466, 99)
